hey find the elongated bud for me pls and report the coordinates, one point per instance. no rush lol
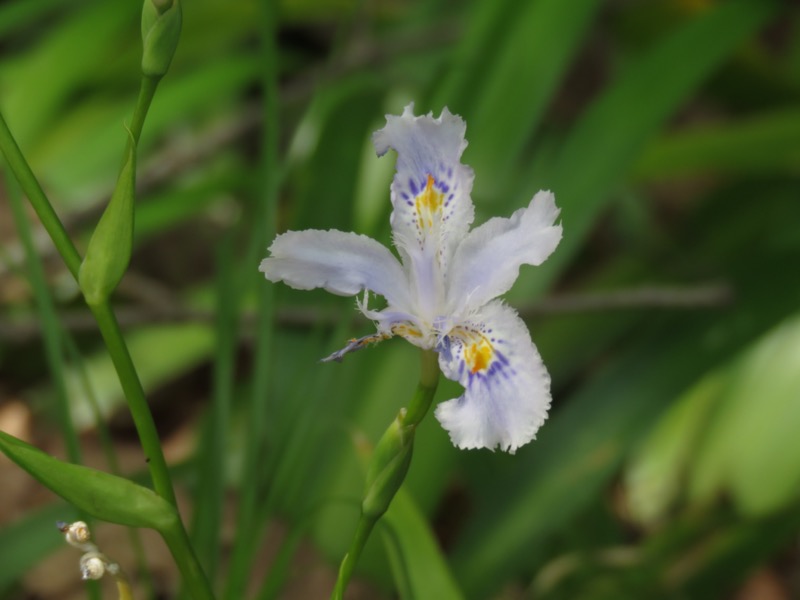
(388, 467)
(162, 6)
(161, 29)
(109, 250)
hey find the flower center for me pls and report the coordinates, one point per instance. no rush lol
(478, 354)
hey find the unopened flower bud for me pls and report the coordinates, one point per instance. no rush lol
(388, 467)
(111, 243)
(161, 29)
(162, 6)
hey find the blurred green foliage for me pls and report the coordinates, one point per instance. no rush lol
(669, 131)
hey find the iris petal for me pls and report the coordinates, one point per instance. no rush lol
(486, 264)
(341, 263)
(432, 209)
(506, 386)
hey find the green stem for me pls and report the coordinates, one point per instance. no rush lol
(428, 380)
(365, 526)
(137, 403)
(145, 577)
(389, 465)
(194, 578)
(44, 210)
(177, 539)
(147, 89)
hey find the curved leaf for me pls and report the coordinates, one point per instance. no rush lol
(104, 496)
(419, 569)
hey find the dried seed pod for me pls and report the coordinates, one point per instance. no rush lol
(92, 566)
(77, 533)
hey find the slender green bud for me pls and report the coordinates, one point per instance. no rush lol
(162, 6)
(102, 495)
(109, 250)
(161, 29)
(388, 467)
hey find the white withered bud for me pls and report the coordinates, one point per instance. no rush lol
(77, 534)
(92, 566)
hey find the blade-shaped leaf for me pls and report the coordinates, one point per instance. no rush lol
(419, 569)
(765, 144)
(533, 56)
(750, 447)
(104, 496)
(609, 137)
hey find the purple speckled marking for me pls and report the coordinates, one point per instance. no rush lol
(413, 185)
(450, 172)
(405, 196)
(493, 370)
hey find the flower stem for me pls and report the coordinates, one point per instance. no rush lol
(176, 538)
(364, 528)
(147, 89)
(137, 403)
(194, 578)
(428, 380)
(388, 466)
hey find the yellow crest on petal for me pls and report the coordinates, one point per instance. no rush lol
(429, 204)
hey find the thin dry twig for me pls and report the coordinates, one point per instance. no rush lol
(708, 296)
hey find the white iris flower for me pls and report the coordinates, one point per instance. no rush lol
(442, 294)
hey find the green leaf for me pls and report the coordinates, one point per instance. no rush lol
(419, 568)
(655, 477)
(15, 16)
(748, 448)
(67, 59)
(106, 497)
(533, 55)
(611, 134)
(767, 143)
